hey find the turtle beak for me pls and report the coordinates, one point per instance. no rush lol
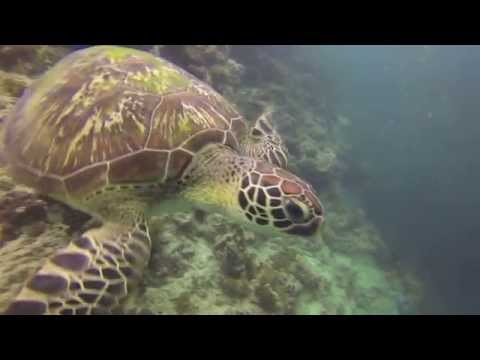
(307, 229)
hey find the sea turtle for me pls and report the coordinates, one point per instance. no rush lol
(113, 131)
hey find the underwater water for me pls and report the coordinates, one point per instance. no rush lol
(385, 135)
(414, 112)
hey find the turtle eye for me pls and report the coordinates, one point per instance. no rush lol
(256, 133)
(294, 211)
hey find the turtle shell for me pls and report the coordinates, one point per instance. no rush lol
(113, 115)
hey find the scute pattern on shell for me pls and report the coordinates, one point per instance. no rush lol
(114, 115)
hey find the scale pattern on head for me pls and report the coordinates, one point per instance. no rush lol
(107, 116)
(272, 196)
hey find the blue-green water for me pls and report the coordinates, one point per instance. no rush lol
(415, 121)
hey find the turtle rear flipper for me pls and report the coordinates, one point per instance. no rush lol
(91, 275)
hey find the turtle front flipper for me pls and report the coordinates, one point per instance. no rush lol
(92, 275)
(265, 143)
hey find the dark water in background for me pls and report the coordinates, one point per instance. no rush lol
(415, 113)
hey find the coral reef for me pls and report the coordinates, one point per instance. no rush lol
(220, 272)
(12, 84)
(349, 232)
(11, 88)
(18, 65)
(210, 63)
(227, 270)
(30, 60)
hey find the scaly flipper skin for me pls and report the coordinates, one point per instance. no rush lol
(265, 143)
(92, 275)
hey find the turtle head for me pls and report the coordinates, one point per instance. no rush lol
(265, 143)
(272, 196)
(253, 190)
